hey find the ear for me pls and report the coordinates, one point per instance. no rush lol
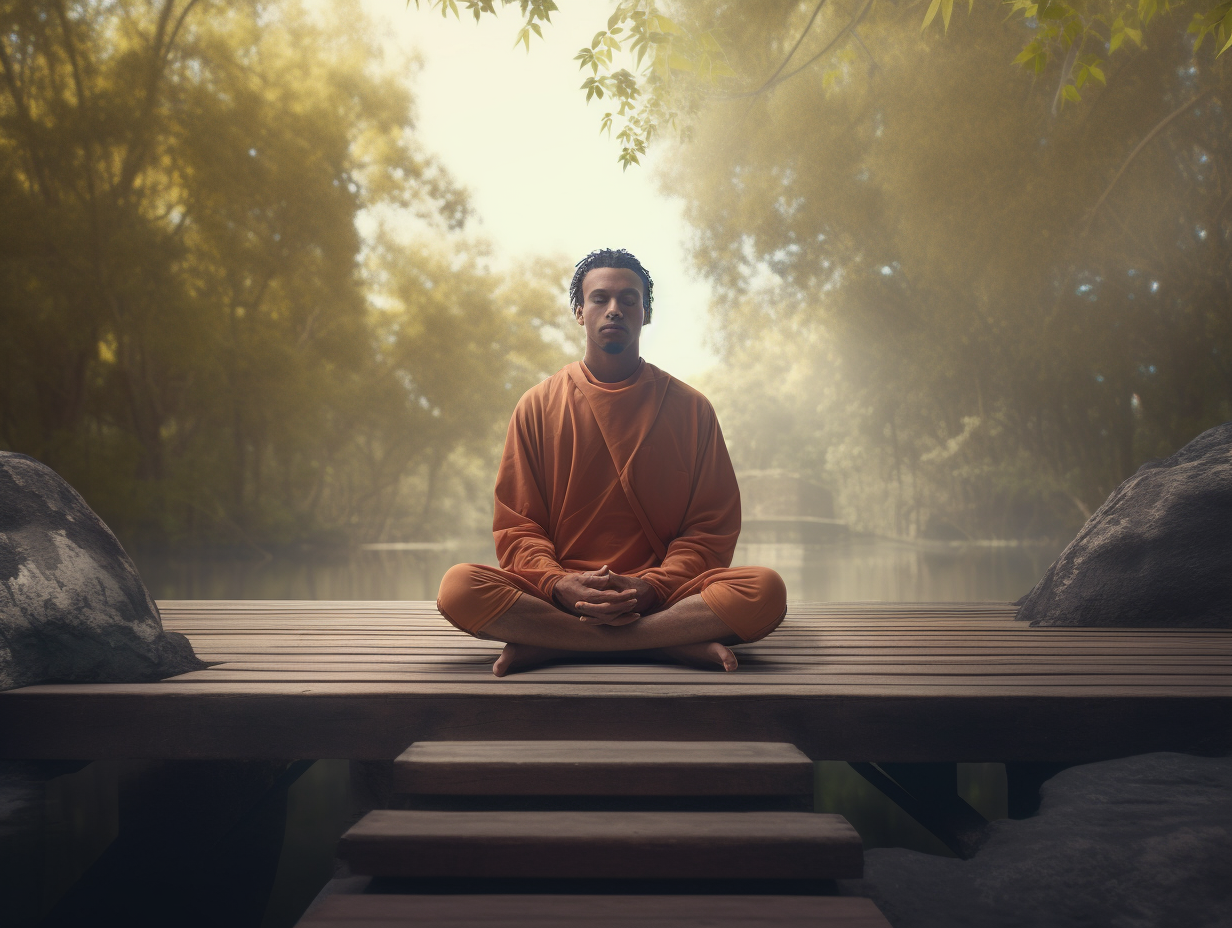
(577, 314)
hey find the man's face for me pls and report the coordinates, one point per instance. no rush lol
(611, 308)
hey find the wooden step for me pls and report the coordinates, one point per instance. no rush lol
(592, 845)
(604, 768)
(530, 911)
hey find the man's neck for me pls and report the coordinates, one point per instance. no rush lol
(612, 368)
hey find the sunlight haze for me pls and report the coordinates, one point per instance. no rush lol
(514, 129)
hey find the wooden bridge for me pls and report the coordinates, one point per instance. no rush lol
(857, 682)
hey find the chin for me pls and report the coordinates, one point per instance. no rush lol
(613, 348)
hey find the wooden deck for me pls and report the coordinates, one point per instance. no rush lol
(860, 681)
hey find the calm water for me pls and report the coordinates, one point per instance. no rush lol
(860, 570)
(83, 808)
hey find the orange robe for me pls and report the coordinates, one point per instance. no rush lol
(634, 475)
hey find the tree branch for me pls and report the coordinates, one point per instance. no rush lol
(829, 46)
(33, 146)
(779, 70)
(1159, 127)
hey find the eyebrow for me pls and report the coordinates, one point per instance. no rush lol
(619, 292)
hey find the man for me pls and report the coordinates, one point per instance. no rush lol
(617, 509)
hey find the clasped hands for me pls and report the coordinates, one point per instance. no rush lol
(600, 597)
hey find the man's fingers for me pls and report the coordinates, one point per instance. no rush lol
(598, 579)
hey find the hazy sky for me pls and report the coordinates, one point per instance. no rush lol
(515, 129)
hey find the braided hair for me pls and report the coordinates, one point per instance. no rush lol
(611, 257)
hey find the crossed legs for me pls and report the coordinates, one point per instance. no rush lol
(685, 633)
(719, 608)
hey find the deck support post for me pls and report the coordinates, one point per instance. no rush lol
(928, 792)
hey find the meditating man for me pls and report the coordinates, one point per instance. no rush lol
(617, 509)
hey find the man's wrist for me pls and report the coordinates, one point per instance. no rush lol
(648, 597)
(561, 597)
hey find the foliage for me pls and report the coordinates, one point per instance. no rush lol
(190, 333)
(961, 344)
(689, 65)
(647, 100)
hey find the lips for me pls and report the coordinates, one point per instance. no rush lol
(612, 327)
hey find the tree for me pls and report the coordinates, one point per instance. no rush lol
(976, 336)
(190, 337)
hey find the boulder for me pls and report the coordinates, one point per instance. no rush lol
(72, 607)
(1144, 841)
(1157, 553)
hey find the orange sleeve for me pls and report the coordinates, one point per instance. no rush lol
(711, 522)
(520, 522)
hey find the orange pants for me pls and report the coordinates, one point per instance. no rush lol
(751, 601)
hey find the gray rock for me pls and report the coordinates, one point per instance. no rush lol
(72, 606)
(1157, 553)
(1144, 842)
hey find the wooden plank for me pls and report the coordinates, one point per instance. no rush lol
(603, 845)
(603, 768)
(834, 668)
(366, 722)
(636, 675)
(401, 661)
(750, 660)
(567, 911)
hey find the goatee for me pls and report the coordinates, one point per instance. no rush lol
(613, 348)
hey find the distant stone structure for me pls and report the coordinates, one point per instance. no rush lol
(72, 607)
(780, 506)
(1157, 553)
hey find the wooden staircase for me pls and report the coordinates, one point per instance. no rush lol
(634, 818)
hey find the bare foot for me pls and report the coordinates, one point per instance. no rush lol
(517, 657)
(709, 655)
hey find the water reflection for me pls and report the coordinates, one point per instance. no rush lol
(878, 570)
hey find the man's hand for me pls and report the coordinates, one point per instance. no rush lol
(647, 595)
(600, 597)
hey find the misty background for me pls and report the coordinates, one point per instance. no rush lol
(274, 274)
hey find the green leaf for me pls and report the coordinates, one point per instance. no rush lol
(947, 7)
(1135, 34)
(932, 12)
(1070, 92)
(1117, 39)
(678, 62)
(661, 23)
(1097, 74)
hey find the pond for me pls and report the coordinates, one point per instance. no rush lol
(83, 807)
(868, 569)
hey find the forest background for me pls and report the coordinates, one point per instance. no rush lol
(967, 294)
